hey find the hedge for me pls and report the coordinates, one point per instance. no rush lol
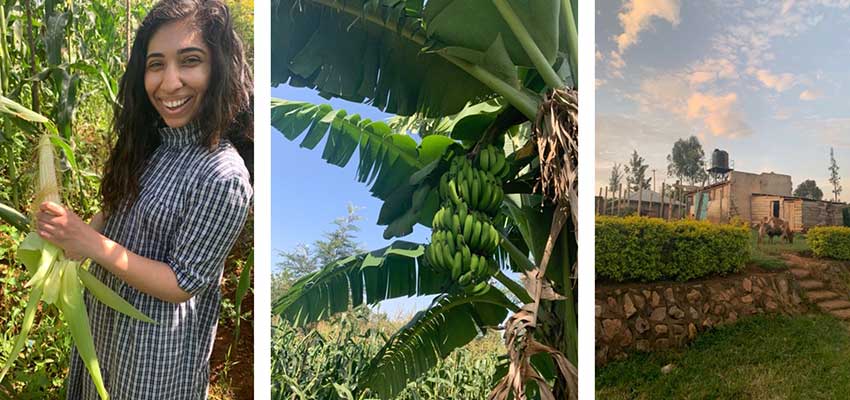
(830, 241)
(651, 249)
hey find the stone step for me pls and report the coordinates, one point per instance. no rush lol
(811, 284)
(834, 305)
(800, 273)
(842, 314)
(820, 295)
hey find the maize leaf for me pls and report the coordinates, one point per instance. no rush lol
(38, 256)
(109, 297)
(53, 281)
(74, 312)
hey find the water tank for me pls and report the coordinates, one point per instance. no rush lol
(719, 161)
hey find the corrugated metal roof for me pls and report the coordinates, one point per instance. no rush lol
(649, 196)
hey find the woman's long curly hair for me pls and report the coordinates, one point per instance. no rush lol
(227, 110)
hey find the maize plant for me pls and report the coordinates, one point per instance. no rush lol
(57, 280)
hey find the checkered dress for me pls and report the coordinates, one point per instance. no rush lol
(191, 207)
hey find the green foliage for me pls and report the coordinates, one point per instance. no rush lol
(431, 59)
(303, 260)
(616, 178)
(830, 242)
(635, 172)
(405, 58)
(324, 362)
(834, 177)
(650, 249)
(368, 277)
(42, 366)
(687, 160)
(808, 189)
(449, 323)
(386, 160)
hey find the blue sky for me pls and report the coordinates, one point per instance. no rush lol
(308, 194)
(767, 81)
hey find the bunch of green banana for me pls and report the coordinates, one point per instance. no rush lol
(463, 238)
(493, 161)
(478, 188)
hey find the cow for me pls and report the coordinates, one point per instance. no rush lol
(775, 227)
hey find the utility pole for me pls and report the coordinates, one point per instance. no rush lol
(653, 179)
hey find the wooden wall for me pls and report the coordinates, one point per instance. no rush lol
(818, 213)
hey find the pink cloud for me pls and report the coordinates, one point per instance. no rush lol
(637, 14)
(720, 114)
(778, 82)
(712, 69)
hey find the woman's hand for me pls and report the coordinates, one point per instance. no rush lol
(62, 227)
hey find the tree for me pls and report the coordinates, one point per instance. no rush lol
(382, 53)
(303, 260)
(808, 189)
(834, 178)
(616, 178)
(636, 173)
(687, 161)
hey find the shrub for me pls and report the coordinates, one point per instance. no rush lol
(649, 249)
(830, 241)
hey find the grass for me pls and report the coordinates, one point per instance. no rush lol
(769, 255)
(779, 357)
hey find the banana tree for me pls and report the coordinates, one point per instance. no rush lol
(480, 74)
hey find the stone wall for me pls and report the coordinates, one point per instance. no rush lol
(659, 315)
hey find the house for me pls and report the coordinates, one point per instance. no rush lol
(649, 203)
(752, 197)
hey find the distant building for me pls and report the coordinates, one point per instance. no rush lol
(647, 202)
(752, 197)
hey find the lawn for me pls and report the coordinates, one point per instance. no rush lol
(779, 357)
(769, 255)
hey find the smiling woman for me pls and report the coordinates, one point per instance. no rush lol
(176, 194)
(177, 72)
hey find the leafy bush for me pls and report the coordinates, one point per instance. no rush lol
(830, 241)
(649, 249)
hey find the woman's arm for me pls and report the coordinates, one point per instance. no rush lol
(97, 222)
(65, 229)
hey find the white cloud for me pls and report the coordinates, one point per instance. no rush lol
(786, 5)
(809, 95)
